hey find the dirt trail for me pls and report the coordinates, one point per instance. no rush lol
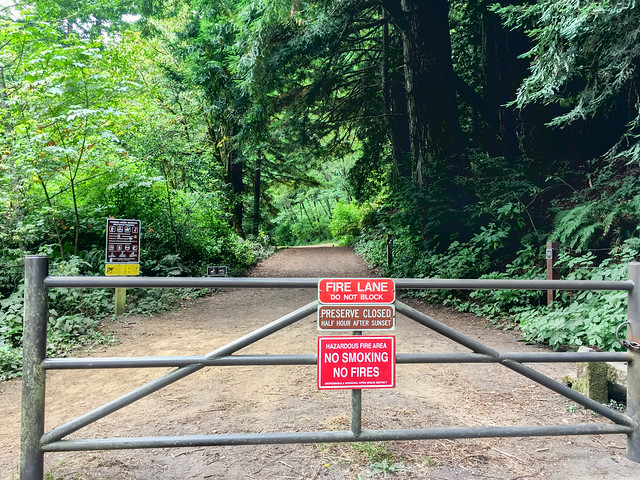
(252, 399)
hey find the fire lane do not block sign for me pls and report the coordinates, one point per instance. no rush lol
(356, 290)
(356, 362)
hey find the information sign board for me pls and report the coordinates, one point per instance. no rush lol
(356, 290)
(123, 247)
(356, 317)
(356, 362)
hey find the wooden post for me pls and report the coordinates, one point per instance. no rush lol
(120, 300)
(552, 274)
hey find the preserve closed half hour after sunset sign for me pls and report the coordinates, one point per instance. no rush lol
(356, 362)
(356, 317)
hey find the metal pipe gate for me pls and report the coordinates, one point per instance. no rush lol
(35, 442)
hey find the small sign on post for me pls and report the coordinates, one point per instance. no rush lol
(122, 254)
(123, 247)
(217, 271)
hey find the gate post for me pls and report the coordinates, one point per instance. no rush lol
(34, 349)
(633, 369)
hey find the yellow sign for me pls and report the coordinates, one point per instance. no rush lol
(123, 269)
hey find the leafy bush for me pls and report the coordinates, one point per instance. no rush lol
(151, 301)
(10, 362)
(585, 317)
(303, 231)
(345, 222)
(591, 221)
(11, 315)
(500, 306)
(70, 329)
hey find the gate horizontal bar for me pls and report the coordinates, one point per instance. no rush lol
(180, 282)
(153, 362)
(401, 283)
(495, 284)
(312, 359)
(522, 357)
(332, 437)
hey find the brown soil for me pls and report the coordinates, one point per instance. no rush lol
(251, 399)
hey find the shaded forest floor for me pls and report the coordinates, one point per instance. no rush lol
(252, 399)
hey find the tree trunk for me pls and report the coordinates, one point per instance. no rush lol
(394, 110)
(434, 127)
(235, 180)
(171, 217)
(53, 217)
(498, 88)
(234, 166)
(256, 196)
(4, 97)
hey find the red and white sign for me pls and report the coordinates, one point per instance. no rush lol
(356, 362)
(356, 290)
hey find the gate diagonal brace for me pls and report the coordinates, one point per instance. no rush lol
(74, 425)
(517, 367)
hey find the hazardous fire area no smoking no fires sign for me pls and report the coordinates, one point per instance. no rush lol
(356, 362)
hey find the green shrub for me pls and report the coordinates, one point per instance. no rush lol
(345, 222)
(11, 313)
(10, 361)
(585, 317)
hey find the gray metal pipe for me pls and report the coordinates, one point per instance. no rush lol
(156, 362)
(180, 282)
(495, 284)
(356, 412)
(333, 436)
(401, 283)
(523, 357)
(34, 349)
(174, 376)
(311, 359)
(633, 370)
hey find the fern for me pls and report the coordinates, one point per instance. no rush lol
(582, 226)
(576, 227)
